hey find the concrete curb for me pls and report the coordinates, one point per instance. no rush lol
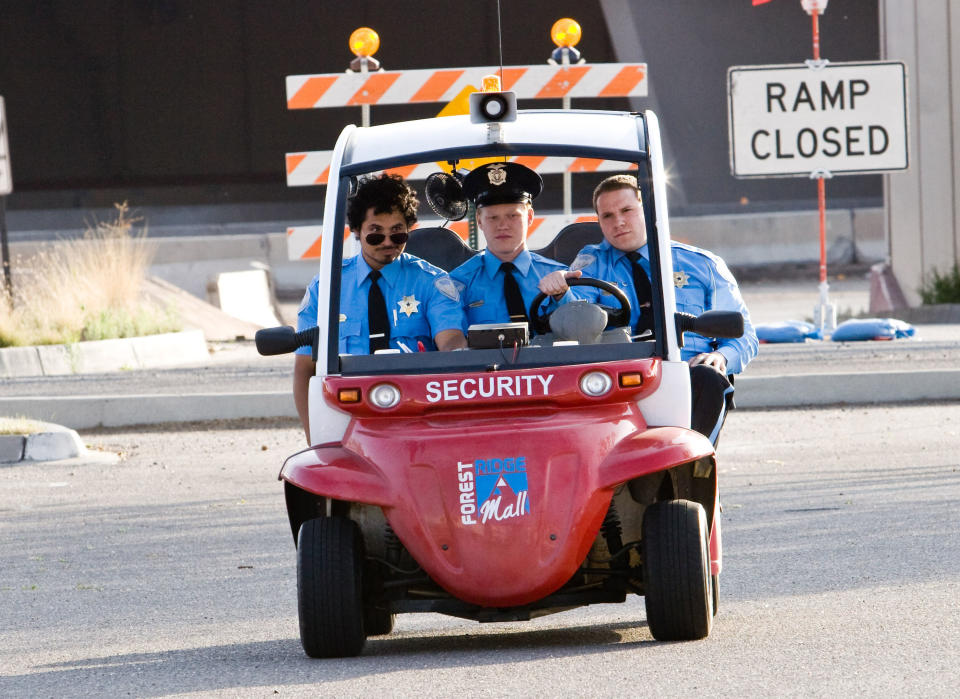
(98, 356)
(50, 443)
(86, 412)
(785, 391)
(797, 390)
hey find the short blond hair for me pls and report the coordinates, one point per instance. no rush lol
(613, 183)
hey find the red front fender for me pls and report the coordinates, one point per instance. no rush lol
(650, 451)
(336, 473)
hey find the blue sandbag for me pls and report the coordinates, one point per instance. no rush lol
(857, 329)
(787, 331)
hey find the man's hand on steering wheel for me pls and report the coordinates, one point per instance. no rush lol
(555, 283)
(617, 316)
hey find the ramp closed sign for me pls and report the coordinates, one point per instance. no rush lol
(794, 120)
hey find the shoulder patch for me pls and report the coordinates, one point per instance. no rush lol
(582, 260)
(446, 286)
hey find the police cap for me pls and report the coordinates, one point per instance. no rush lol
(502, 183)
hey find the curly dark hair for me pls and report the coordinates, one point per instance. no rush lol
(384, 194)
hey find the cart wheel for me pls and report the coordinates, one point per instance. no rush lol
(376, 621)
(330, 602)
(676, 571)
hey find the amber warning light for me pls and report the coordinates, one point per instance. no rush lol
(565, 33)
(364, 42)
(491, 83)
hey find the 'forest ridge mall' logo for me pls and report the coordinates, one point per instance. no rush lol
(493, 489)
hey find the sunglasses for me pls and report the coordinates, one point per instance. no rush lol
(395, 238)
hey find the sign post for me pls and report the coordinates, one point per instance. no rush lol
(825, 314)
(818, 119)
(6, 186)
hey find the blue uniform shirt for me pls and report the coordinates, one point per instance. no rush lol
(702, 282)
(481, 285)
(422, 301)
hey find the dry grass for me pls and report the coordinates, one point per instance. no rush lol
(20, 425)
(85, 289)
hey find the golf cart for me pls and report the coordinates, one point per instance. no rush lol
(530, 473)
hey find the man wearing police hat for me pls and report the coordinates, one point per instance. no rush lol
(501, 282)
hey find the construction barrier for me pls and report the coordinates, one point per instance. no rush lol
(313, 167)
(417, 86)
(303, 242)
(443, 85)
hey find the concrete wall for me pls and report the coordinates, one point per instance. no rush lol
(181, 102)
(923, 203)
(743, 240)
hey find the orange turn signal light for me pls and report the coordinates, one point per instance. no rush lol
(348, 395)
(631, 379)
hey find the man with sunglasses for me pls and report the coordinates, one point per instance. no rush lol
(500, 283)
(388, 299)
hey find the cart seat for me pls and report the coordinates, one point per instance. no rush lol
(439, 246)
(570, 240)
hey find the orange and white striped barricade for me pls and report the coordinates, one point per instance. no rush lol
(303, 242)
(313, 167)
(442, 85)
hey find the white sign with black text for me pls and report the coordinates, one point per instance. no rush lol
(6, 178)
(794, 120)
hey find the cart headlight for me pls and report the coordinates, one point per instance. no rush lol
(384, 395)
(595, 383)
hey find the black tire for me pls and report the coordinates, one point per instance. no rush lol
(376, 621)
(329, 589)
(676, 571)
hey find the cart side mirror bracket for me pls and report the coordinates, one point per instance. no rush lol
(727, 324)
(282, 340)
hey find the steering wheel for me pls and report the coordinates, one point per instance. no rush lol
(618, 316)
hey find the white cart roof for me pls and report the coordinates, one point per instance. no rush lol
(534, 131)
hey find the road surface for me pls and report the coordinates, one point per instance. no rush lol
(166, 567)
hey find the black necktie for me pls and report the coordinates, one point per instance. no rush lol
(511, 292)
(377, 315)
(641, 285)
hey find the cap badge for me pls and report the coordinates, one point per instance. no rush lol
(497, 174)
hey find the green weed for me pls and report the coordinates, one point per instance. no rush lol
(939, 288)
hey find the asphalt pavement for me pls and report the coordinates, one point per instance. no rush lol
(172, 572)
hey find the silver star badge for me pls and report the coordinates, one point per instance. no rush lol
(680, 279)
(409, 305)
